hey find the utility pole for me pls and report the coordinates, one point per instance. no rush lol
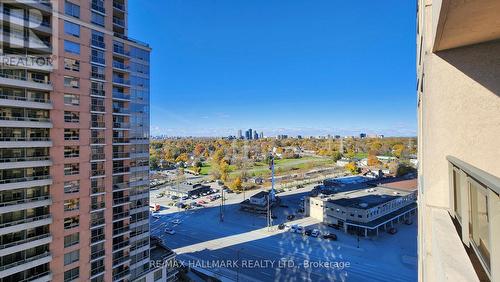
(270, 196)
(221, 208)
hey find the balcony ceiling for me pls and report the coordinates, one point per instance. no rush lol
(462, 23)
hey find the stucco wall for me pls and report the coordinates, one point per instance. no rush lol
(461, 104)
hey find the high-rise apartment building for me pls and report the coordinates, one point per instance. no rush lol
(74, 186)
(458, 66)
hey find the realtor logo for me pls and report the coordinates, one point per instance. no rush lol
(25, 34)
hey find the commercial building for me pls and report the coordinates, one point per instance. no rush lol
(365, 211)
(458, 52)
(74, 137)
(188, 190)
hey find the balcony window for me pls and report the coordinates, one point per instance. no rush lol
(96, 267)
(71, 64)
(71, 117)
(479, 221)
(97, 234)
(71, 9)
(71, 47)
(70, 81)
(72, 274)
(71, 222)
(97, 18)
(71, 257)
(97, 88)
(71, 169)
(71, 134)
(72, 29)
(71, 100)
(98, 39)
(98, 5)
(98, 72)
(71, 240)
(71, 186)
(98, 57)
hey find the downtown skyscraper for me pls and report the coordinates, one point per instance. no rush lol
(74, 135)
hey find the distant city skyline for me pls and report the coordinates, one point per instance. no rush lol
(293, 132)
(283, 69)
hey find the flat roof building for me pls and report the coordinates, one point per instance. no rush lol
(366, 210)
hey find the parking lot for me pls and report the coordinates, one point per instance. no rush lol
(279, 255)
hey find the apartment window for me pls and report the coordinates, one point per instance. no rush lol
(72, 274)
(98, 39)
(71, 169)
(71, 240)
(71, 47)
(97, 72)
(98, 5)
(71, 9)
(71, 100)
(71, 186)
(71, 222)
(71, 117)
(71, 257)
(97, 19)
(72, 204)
(479, 227)
(71, 151)
(98, 56)
(97, 88)
(158, 275)
(71, 64)
(71, 134)
(72, 29)
(70, 81)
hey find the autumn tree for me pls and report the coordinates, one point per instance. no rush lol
(352, 167)
(373, 160)
(236, 184)
(397, 150)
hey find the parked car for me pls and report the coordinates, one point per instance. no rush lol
(308, 232)
(315, 233)
(281, 226)
(300, 229)
(184, 198)
(330, 236)
(173, 197)
(293, 228)
(169, 231)
(176, 221)
(290, 217)
(392, 231)
(201, 202)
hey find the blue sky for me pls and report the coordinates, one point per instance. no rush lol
(311, 67)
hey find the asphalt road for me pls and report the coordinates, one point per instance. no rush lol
(241, 248)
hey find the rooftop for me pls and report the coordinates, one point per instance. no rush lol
(261, 194)
(366, 198)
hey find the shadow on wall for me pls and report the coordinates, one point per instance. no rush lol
(481, 62)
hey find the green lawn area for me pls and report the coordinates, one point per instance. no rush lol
(361, 155)
(262, 169)
(205, 169)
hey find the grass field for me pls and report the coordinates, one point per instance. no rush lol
(284, 165)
